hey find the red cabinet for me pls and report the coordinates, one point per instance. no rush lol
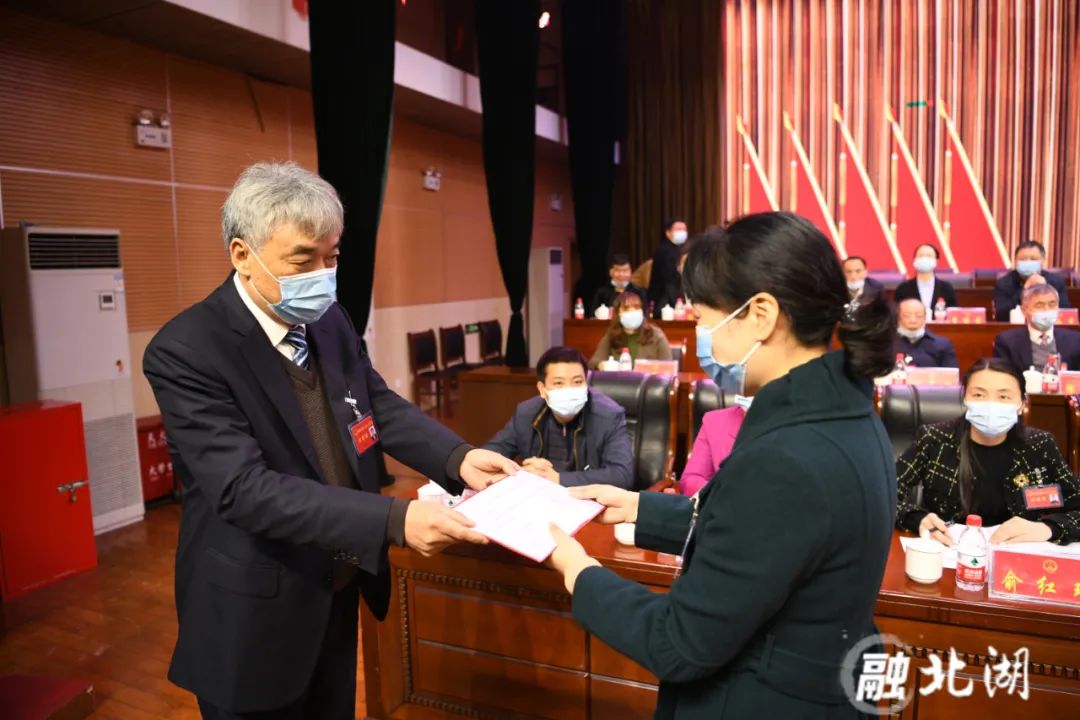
(155, 465)
(46, 524)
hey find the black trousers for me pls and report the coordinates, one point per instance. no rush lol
(331, 694)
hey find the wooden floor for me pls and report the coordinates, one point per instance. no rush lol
(115, 626)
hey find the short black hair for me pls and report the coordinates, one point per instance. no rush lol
(559, 354)
(620, 259)
(672, 220)
(1030, 244)
(920, 246)
(849, 258)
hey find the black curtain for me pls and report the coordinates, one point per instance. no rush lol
(508, 42)
(352, 90)
(593, 45)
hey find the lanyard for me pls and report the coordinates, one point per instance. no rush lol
(694, 499)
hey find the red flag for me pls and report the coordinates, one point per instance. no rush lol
(977, 240)
(806, 197)
(862, 222)
(914, 220)
(755, 192)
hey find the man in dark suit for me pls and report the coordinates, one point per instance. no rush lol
(620, 272)
(1030, 261)
(274, 416)
(1030, 345)
(859, 284)
(665, 282)
(915, 342)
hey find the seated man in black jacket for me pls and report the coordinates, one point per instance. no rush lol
(620, 272)
(569, 434)
(917, 343)
(1032, 344)
(1030, 261)
(859, 284)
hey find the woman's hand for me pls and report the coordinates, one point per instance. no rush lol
(620, 505)
(935, 528)
(569, 557)
(1017, 529)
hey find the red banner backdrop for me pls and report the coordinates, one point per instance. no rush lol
(755, 193)
(806, 198)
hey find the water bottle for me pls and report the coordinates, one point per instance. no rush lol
(1051, 376)
(625, 361)
(579, 309)
(899, 375)
(939, 310)
(680, 310)
(971, 556)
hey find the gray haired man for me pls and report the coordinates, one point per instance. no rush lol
(272, 411)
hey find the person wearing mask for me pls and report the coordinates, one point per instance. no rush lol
(1030, 270)
(812, 450)
(665, 283)
(926, 286)
(630, 329)
(859, 283)
(713, 444)
(275, 416)
(1031, 345)
(569, 434)
(987, 463)
(921, 347)
(620, 272)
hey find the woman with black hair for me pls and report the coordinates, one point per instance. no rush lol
(784, 549)
(987, 463)
(925, 285)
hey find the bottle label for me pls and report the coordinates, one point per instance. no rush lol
(971, 569)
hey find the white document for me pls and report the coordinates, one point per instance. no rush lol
(515, 513)
(948, 558)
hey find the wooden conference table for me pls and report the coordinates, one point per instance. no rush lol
(479, 632)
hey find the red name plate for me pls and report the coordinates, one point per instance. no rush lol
(1025, 576)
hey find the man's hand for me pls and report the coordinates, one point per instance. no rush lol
(430, 527)
(541, 468)
(1017, 529)
(1035, 279)
(619, 505)
(481, 468)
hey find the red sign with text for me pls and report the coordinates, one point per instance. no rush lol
(1018, 575)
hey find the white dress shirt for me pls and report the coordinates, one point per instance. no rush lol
(1037, 335)
(273, 328)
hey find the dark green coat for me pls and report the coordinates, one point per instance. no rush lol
(783, 567)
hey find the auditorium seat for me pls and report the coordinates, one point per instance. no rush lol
(705, 396)
(649, 401)
(678, 351)
(957, 279)
(491, 343)
(889, 279)
(423, 364)
(904, 408)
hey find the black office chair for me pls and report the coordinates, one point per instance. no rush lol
(649, 401)
(705, 396)
(957, 279)
(905, 408)
(491, 352)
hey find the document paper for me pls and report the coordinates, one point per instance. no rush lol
(948, 558)
(515, 513)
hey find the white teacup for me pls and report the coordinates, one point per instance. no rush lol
(624, 533)
(923, 560)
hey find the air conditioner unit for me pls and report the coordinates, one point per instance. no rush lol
(64, 315)
(547, 300)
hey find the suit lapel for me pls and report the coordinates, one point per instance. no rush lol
(336, 388)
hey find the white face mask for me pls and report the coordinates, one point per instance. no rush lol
(567, 402)
(632, 319)
(855, 285)
(925, 264)
(678, 236)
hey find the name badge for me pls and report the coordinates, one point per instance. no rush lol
(1043, 497)
(364, 434)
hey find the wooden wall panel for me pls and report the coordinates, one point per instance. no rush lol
(1008, 71)
(68, 101)
(409, 258)
(471, 265)
(302, 129)
(142, 213)
(204, 263)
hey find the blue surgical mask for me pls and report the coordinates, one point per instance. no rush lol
(304, 297)
(632, 319)
(992, 419)
(1027, 268)
(678, 237)
(1043, 320)
(912, 335)
(925, 264)
(732, 375)
(567, 402)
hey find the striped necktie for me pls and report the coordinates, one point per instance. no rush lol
(297, 338)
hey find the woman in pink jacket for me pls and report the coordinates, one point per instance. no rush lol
(711, 447)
